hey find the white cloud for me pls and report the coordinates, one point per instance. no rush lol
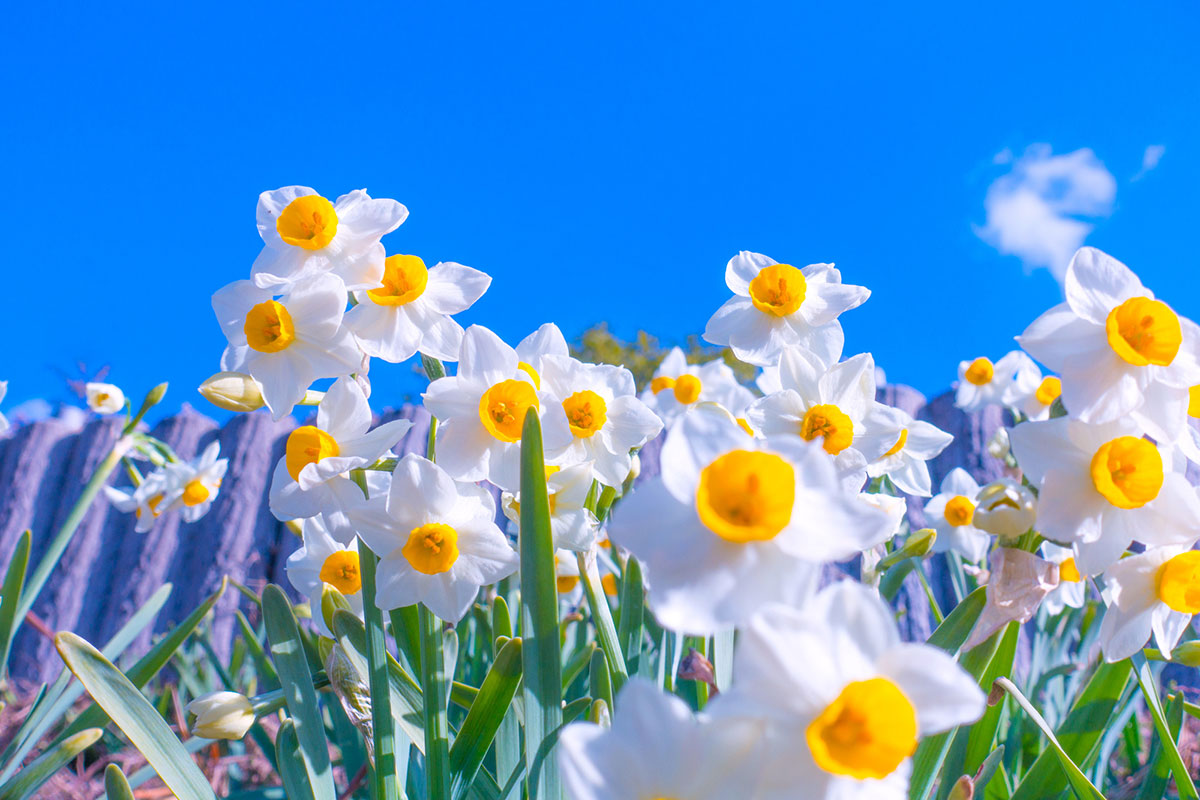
(1150, 159)
(1039, 210)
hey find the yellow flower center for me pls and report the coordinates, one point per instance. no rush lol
(268, 327)
(566, 583)
(306, 445)
(586, 413)
(340, 571)
(1178, 582)
(899, 445)
(959, 511)
(309, 222)
(502, 408)
(432, 548)
(746, 495)
(831, 424)
(661, 383)
(778, 290)
(151, 504)
(1048, 390)
(867, 732)
(195, 492)
(532, 373)
(1143, 331)
(687, 389)
(404, 280)
(1128, 471)
(609, 582)
(981, 372)
(1194, 401)
(1068, 572)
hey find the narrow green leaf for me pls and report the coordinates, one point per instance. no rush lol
(407, 631)
(10, 597)
(486, 714)
(539, 617)
(1183, 781)
(267, 678)
(501, 621)
(135, 716)
(980, 736)
(955, 629)
(42, 768)
(383, 734)
(290, 758)
(599, 680)
(295, 677)
(433, 691)
(115, 785)
(1082, 787)
(606, 630)
(1079, 733)
(630, 629)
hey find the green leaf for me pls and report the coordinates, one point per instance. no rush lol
(1154, 786)
(980, 736)
(483, 720)
(501, 620)
(10, 597)
(291, 760)
(1082, 787)
(599, 680)
(135, 716)
(1079, 733)
(606, 631)
(955, 629)
(407, 630)
(115, 785)
(383, 733)
(539, 617)
(287, 651)
(42, 768)
(1183, 781)
(630, 629)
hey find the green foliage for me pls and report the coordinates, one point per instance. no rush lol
(599, 345)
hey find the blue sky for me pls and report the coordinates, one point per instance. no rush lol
(600, 161)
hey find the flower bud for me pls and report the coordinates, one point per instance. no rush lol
(221, 715)
(1005, 508)
(636, 469)
(232, 391)
(1187, 654)
(998, 446)
(104, 398)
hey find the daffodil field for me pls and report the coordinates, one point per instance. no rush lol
(521, 613)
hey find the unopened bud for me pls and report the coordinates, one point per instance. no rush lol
(1005, 508)
(964, 789)
(1187, 654)
(635, 469)
(919, 544)
(999, 445)
(353, 692)
(221, 715)
(232, 391)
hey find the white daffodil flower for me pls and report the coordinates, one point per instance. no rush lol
(191, 486)
(312, 477)
(1120, 352)
(776, 306)
(677, 386)
(982, 383)
(322, 560)
(901, 445)
(104, 398)
(819, 403)
(287, 343)
(1071, 590)
(598, 404)
(481, 412)
(733, 523)
(411, 311)
(1156, 592)
(306, 236)
(845, 701)
(1102, 487)
(1030, 393)
(144, 501)
(436, 538)
(656, 748)
(572, 525)
(1005, 508)
(547, 340)
(951, 513)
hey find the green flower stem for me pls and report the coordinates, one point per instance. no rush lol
(433, 692)
(383, 738)
(62, 539)
(606, 630)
